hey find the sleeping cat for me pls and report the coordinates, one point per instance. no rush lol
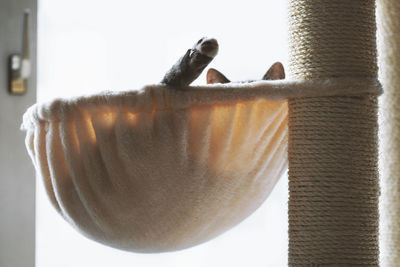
(190, 66)
(275, 72)
(196, 59)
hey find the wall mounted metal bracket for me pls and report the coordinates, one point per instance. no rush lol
(19, 67)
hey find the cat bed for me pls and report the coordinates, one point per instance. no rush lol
(163, 169)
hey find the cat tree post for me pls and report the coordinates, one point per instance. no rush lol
(389, 48)
(333, 172)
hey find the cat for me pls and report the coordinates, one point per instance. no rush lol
(191, 65)
(275, 72)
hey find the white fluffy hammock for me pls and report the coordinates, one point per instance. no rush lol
(164, 169)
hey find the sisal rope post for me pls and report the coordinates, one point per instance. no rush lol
(333, 171)
(389, 51)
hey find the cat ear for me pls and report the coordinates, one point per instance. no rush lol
(275, 72)
(214, 76)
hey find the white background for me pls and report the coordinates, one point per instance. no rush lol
(91, 45)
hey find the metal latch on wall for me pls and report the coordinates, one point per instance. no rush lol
(19, 66)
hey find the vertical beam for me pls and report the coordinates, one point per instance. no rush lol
(17, 175)
(389, 57)
(333, 172)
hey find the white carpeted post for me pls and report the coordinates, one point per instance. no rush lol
(333, 172)
(389, 52)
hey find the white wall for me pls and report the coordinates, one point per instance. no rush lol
(88, 46)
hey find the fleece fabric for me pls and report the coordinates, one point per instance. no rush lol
(163, 169)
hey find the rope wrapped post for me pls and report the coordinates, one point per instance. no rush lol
(333, 171)
(389, 48)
